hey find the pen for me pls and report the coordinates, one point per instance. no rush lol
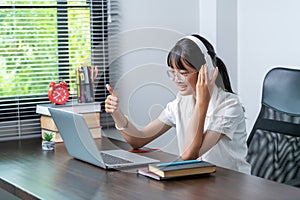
(143, 150)
(178, 163)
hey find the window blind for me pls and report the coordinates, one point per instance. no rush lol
(44, 41)
(113, 26)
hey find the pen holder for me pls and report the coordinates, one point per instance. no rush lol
(85, 92)
(85, 77)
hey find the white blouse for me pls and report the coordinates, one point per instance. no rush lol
(225, 115)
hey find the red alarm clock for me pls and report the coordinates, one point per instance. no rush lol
(58, 93)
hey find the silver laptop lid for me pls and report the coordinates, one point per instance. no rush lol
(76, 136)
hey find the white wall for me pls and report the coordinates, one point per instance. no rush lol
(218, 24)
(252, 37)
(268, 36)
(147, 31)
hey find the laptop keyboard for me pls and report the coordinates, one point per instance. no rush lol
(109, 159)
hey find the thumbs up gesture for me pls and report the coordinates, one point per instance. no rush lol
(112, 100)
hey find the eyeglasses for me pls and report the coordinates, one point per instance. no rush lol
(180, 76)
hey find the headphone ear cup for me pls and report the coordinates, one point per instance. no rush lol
(210, 72)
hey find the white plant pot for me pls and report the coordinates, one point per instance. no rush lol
(48, 145)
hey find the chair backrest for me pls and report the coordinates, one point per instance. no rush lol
(274, 142)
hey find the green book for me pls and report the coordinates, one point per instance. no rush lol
(182, 168)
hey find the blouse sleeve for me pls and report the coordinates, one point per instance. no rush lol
(167, 115)
(226, 117)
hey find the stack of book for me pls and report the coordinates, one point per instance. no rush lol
(178, 169)
(90, 112)
(85, 83)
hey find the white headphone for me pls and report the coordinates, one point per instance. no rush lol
(204, 51)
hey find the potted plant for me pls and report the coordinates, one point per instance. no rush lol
(47, 144)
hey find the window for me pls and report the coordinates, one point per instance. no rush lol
(44, 41)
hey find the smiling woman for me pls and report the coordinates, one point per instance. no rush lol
(207, 115)
(44, 41)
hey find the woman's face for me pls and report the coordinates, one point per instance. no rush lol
(185, 79)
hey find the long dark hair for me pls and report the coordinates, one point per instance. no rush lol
(187, 51)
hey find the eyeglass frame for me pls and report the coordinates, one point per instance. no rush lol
(181, 76)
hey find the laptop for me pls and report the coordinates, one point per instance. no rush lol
(81, 145)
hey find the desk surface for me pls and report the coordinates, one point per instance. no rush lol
(30, 173)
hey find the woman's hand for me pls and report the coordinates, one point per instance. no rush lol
(112, 101)
(205, 86)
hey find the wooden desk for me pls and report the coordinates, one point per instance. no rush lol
(30, 173)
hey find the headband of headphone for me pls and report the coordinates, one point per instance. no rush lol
(203, 49)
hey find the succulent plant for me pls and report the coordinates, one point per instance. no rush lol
(48, 136)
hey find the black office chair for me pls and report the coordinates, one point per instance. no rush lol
(274, 142)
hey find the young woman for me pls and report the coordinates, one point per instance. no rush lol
(208, 116)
